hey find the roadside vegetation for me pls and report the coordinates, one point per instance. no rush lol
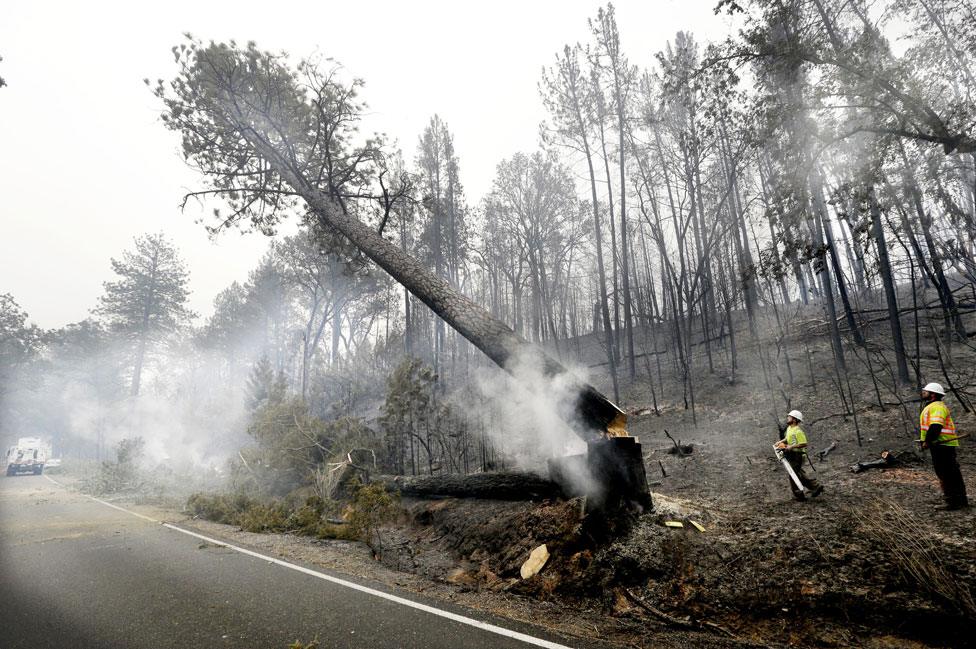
(356, 520)
(131, 475)
(122, 475)
(298, 475)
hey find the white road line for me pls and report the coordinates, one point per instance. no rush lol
(484, 626)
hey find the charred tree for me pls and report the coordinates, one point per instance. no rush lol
(889, 287)
(251, 123)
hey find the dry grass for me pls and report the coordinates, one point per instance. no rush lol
(910, 543)
(297, 644)
(904, 476)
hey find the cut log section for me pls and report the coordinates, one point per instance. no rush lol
(536, 561)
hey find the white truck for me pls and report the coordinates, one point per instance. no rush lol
(27, 456)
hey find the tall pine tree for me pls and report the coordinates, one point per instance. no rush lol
(149, 298)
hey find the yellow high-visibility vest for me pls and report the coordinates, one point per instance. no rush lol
(937, 413)
(795, 435)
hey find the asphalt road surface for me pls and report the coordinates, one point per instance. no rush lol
(77, 573)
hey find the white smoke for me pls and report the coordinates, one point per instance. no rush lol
(529, 416)
(190, 413)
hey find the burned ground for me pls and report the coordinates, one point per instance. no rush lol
(869, 563)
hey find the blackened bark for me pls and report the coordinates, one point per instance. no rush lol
(824, 219)
(828, 291)
(889, 288)
(492, 486)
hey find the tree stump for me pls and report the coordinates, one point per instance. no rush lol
(611, 475)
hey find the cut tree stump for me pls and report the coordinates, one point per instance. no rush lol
(611, 475)
(617, 467)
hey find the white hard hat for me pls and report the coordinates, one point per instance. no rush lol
(796, 414)
(934, 387)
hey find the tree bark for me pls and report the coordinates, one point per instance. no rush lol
(824, 218)
(828, 290)
(492, 486)
(889, 288)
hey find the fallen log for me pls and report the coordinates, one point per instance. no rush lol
(822, 454)
(491, 486)
(886, 460)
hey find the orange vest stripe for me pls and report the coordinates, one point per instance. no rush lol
(937, 413)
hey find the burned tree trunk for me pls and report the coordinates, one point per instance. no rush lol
(492, 486)
(884, 266)
(611, 475)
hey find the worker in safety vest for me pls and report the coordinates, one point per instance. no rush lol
(794, 446)
(938, 434)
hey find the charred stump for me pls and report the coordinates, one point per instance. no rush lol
(611, 475)
(617, 465)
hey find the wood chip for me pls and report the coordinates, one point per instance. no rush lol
(537, 559)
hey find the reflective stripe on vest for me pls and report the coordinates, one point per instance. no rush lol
(937, 413)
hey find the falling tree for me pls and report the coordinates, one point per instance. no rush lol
(253, 125)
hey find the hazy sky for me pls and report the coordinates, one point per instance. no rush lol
(85, 164)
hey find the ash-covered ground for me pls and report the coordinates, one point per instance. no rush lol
(868, 563)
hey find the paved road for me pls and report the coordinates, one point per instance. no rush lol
(76, 573)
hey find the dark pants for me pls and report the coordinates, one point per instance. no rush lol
(796, 461)
(950, 477)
